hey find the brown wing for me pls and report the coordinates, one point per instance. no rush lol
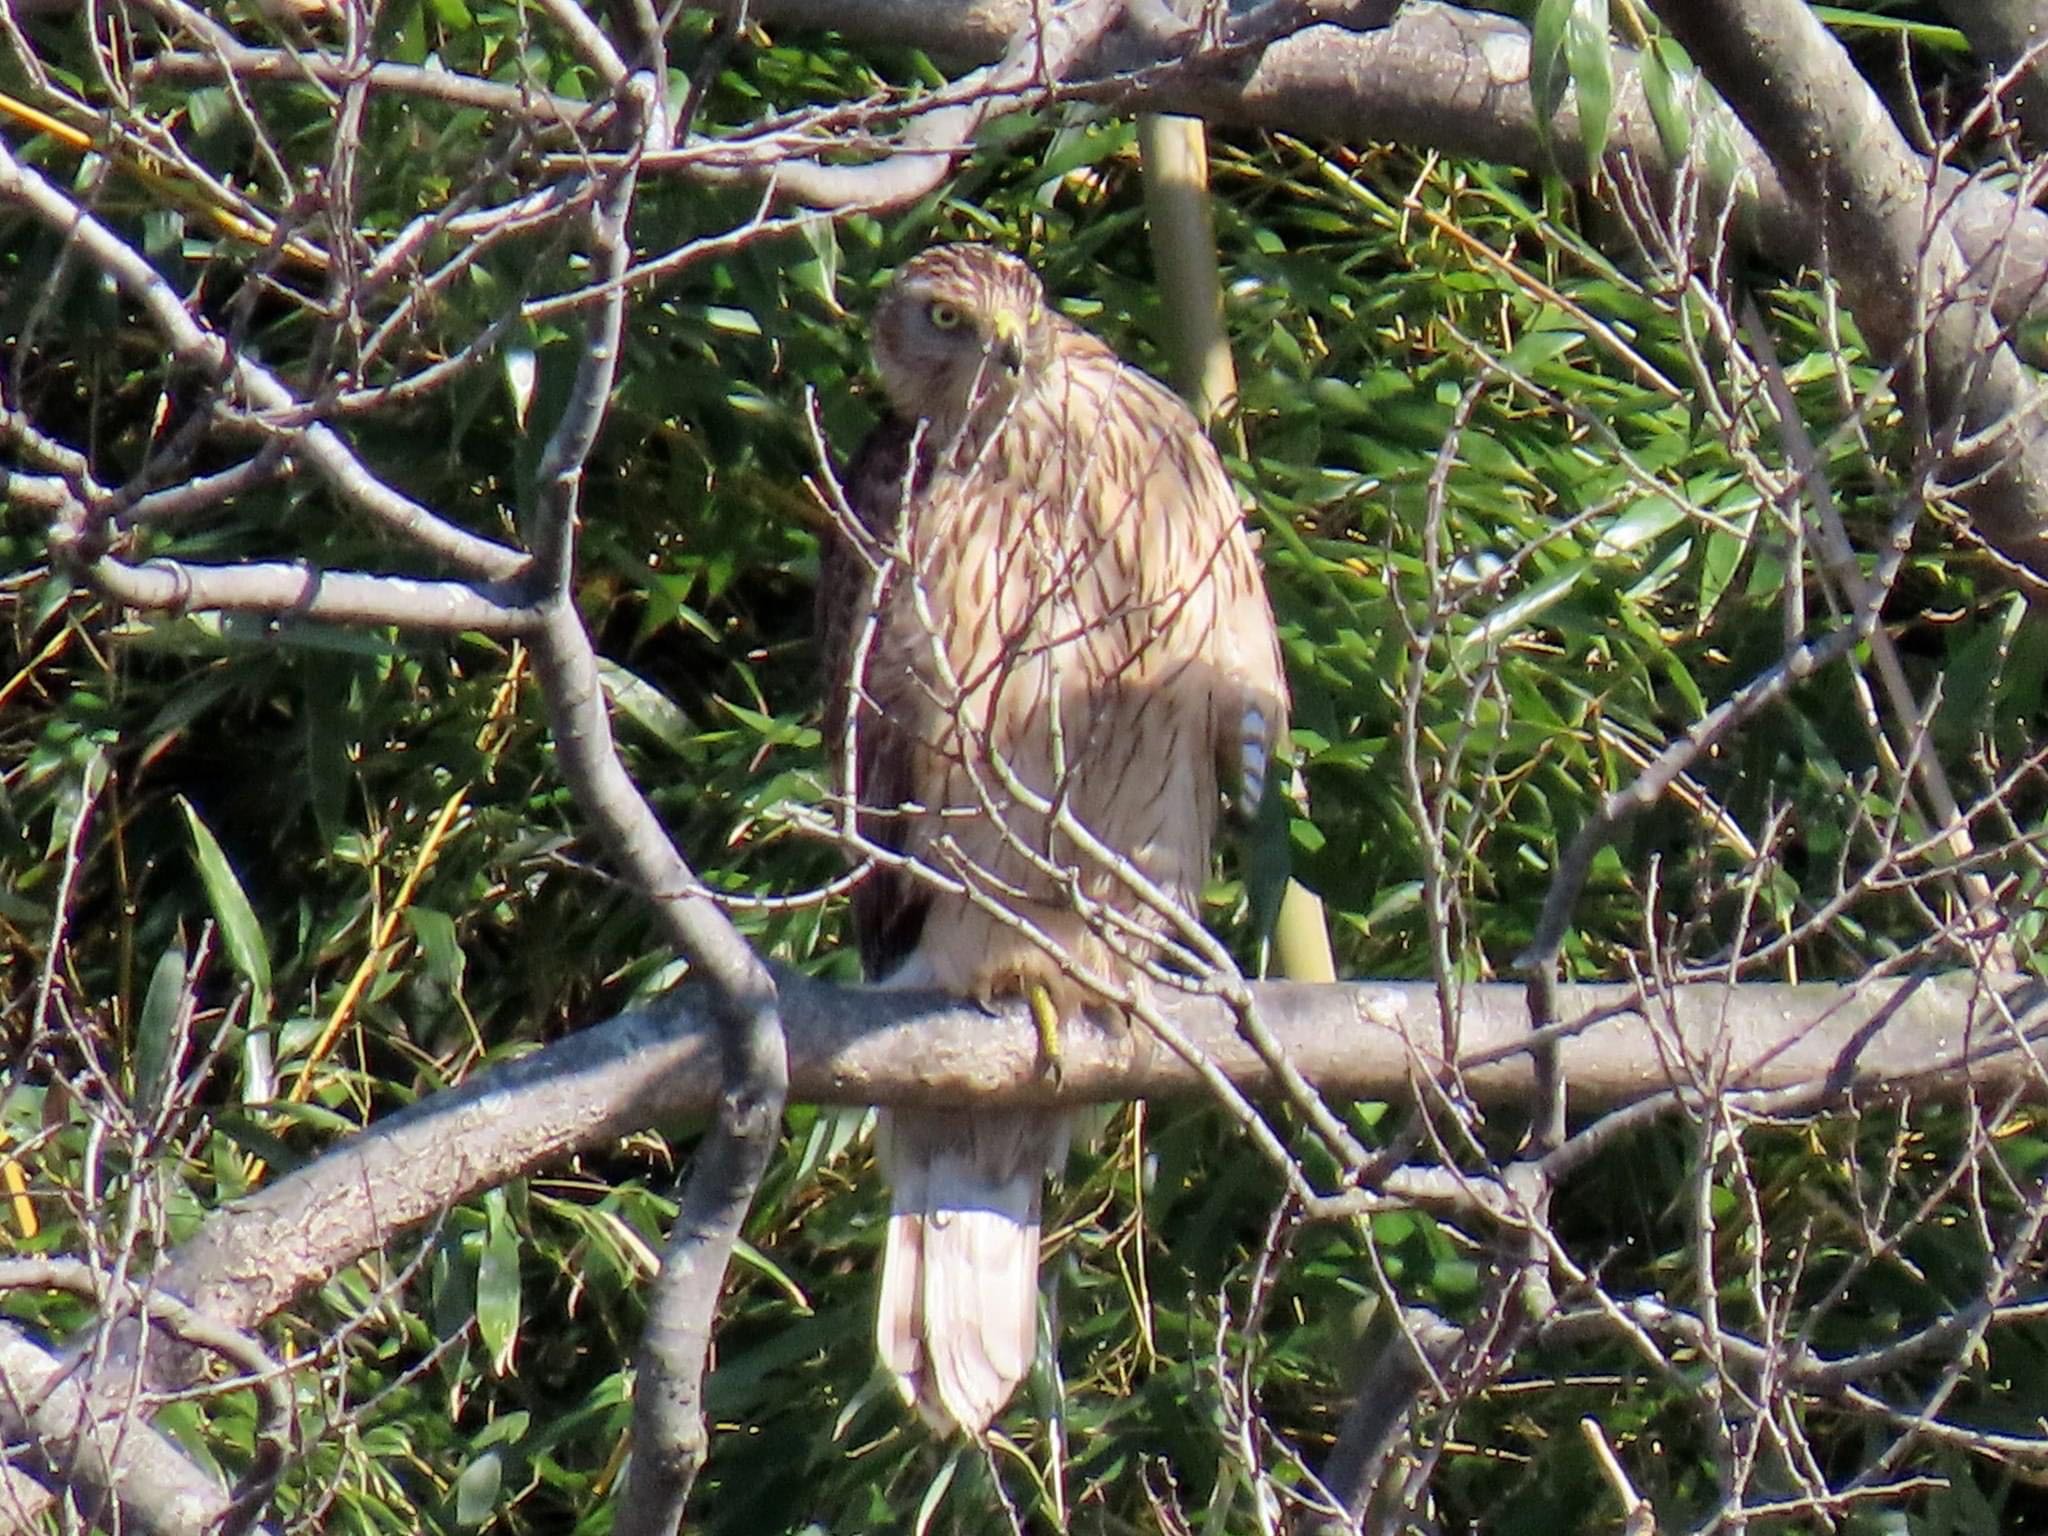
(888, 906)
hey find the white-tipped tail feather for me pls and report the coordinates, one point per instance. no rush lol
(958, 1317)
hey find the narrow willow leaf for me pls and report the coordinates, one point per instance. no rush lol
(1667, 85)
(1517, 612)
(1723, 555)
(1547, 76)
(439, 943)
(497, 1284)
(822, 236)
(1644, 521)
(747, 1254)
(240, 932)
(928, 1506)
(1591, 58)
(156, 1029)
(646, 706)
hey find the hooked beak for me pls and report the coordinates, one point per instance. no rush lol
(1008, 342)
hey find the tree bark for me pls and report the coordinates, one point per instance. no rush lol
(1437, 77)
(1777, 1048)
(1921, 300)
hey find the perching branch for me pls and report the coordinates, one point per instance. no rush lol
(1811, 1044)
(1936, 1037)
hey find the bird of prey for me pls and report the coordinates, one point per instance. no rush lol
(1055, 664)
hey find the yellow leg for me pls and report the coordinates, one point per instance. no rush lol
(1047, 1018)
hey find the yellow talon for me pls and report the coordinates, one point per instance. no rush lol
(1047, 1018)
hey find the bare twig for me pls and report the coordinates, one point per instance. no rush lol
(1910, 286)
(203, 350)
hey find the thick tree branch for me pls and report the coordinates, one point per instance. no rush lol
(1401, 1373)
(52, 1431)
(1436, 77)
(857, 1046)
(1786, 1045)
(1922, 300)
(60, 1436)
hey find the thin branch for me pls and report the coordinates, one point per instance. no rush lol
(1046, 44)
(1645, 789)
(669, 1436)
(534, 109)
(296, 591)
(195, 346)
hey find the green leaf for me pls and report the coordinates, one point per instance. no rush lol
(1547, 71)
(1668, 84)
(1723, 553)
(747, 1254)
(1518, 612)
(210, 109)
(240, 932)
(329, 731)
(647, 707)
(497, 1284)
(476, 1491)
(1545, 344)
(821, 273)
(1590, 57)
(928, 1506)
(156, 1029)
(437, 938)
(1641, 523)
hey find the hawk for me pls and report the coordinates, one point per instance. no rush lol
(1055, 662)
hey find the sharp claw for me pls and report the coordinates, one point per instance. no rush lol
(1047, 1018)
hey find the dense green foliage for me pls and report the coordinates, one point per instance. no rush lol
(1514, 551)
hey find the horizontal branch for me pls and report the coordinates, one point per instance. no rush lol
(1438, 77)
(856, 1046)
(299, 65)
(1784, 1044)
(296, 590)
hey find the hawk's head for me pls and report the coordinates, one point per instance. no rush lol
(961, 330)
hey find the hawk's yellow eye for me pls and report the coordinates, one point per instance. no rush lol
(944, 316)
